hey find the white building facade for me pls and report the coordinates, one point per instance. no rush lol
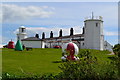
(91, 38)
(22, 33)
(33, 42)
(94, 37)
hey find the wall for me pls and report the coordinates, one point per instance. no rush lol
(21, 36)
(108, 46)
(33, 44)
(93, 38)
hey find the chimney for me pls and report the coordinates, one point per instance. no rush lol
(71, 31)
(83, 31)
(43, 35)
(60, 33)
(51, 34)
(37, 35)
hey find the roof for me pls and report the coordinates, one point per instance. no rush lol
(31, 39)
(38, 39)
(21, 27)
(76, 35)
(93, 20)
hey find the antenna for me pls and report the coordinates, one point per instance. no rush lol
(92, 15)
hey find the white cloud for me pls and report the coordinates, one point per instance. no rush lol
(0, 13)
(31, 31)
(4, 40)
(1, 45)
(0, 39)
(111, 33)
(13, 12)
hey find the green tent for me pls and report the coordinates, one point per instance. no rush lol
(18, 46)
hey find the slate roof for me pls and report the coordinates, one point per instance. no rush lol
(31, 39)
(76, 35)
(38, 39)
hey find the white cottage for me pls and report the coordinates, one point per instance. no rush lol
(34, 42)
(92, 37)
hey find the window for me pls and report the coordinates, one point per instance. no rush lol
(85, 24)
(83, 44)
(96, 24)
(22, 29)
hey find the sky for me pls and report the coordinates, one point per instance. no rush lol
(40, 17)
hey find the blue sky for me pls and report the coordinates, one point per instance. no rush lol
(41, 17)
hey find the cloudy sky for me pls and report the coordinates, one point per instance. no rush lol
(40, 17)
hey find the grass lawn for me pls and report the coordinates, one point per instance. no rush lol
(0, 62)
(41, 61)
(37, 61)
(103, 59)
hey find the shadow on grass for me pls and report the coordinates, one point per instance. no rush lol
(113, 58)
(57, 61)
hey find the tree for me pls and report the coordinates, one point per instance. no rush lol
(116, 49)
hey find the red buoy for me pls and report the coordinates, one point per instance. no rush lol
(71, 49)
(11, 45)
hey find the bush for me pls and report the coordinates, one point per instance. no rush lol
(116, 49)
(7, 76)
(87, 68)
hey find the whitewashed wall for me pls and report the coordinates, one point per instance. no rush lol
(93, 34)
(108, 46)
(33, 44)
(21, 36)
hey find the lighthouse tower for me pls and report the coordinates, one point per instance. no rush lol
(22, 33)
(94, 38)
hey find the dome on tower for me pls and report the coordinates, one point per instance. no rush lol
(22, 27)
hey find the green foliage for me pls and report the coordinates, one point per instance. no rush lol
(42, 64)
(7, 76)
(116, 49)
(86, 69)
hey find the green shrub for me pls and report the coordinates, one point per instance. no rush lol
(87, 68)
(116, 49)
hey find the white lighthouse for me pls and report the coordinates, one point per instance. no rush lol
(93, 37)
(22, 33)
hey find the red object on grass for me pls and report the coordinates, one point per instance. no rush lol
(71, 49)
(11, 45)
(57, 46)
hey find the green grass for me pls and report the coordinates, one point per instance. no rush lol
(103, 59)
(37, 61)
(41, 61)
(102, 56)
(0, 62)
